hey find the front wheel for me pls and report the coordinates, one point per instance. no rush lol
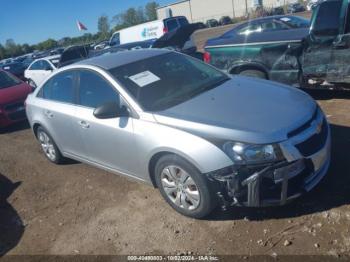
(184, 187)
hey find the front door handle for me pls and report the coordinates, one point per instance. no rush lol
(84, 124)
(49, 114)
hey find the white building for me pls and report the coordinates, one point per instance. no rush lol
(203, 10)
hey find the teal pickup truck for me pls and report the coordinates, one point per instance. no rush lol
(308, 57)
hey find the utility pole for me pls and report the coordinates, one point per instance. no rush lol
(246, 7)
(233, 9)
(189, 2)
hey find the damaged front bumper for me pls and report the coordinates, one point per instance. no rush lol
(282, 182)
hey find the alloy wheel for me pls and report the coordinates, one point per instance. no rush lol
(47, 146)
(180, 188)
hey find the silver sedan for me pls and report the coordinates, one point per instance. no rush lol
(202, 137)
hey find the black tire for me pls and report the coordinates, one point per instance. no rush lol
(58, 159)
(208, 199)
(253, 73)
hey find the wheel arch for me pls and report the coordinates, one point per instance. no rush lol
(36, 125)
(152, 164)
(157, 155)
(240, 67)
(191, 159)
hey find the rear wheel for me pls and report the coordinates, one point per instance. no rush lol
(49, 147)
(253, 73)
(184, 187)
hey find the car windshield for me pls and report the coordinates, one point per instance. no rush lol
(163, 81)
(6, 80)
(295, 22)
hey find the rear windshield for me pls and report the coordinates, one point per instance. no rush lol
(6, 80)
(163, 81)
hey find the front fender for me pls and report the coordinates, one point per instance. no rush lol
(153, 138)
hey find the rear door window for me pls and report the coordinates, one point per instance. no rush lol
(36, 66)
(250, 28)
(60, 88)
(271, 25)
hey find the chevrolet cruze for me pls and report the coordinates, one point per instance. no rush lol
(201, 137)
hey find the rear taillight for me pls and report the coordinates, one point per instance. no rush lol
(207, 57)
(165, 30)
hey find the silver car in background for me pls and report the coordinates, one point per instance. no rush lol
(200, 136)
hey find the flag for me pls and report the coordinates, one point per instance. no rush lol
(81, 27)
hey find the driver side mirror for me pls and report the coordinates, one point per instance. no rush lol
(110, 110)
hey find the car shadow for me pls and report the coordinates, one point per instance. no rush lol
(11, 224)
(333, 190)
(15, 127)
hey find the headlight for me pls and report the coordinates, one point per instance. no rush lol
(251, 154)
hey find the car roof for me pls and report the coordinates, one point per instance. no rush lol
(121, 58)
(269, 18)
(260, 19)
(174, 17)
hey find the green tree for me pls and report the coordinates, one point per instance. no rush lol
(26, 48)
(151, 11)
(132, 17)
(12, 49)
(47, 44)
(140, 14)
(2, 52)
(103, 25)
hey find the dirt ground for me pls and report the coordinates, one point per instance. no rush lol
(78, 209)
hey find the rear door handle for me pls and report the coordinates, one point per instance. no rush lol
(84, 124)
(49, 114)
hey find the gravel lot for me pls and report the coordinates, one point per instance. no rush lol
(78, 209)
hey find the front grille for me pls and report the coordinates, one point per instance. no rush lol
(315, 143)
(14, 106)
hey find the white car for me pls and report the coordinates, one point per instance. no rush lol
(41, 68)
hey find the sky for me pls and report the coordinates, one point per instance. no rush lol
(33, 21)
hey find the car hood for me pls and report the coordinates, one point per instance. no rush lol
(243, 109)
(14, 93)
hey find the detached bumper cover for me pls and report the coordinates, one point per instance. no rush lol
(280, 183)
